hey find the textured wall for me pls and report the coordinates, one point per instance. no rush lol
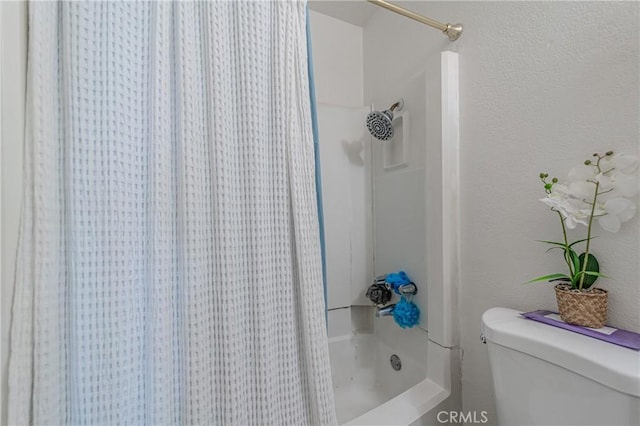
(542, 85)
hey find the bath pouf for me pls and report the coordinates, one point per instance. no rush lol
(406, 313)
(397, 280)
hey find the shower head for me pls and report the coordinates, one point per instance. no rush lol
(380, 124)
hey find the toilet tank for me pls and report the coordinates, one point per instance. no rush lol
(544, 375)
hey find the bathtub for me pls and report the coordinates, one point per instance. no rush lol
(369, 391)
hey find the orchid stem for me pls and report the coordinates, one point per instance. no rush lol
(566, 243)
(593, 209)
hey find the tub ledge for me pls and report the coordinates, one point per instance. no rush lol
(405, 408)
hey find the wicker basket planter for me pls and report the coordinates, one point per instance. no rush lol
(585, 308)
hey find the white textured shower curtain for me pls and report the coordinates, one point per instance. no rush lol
(169, 265)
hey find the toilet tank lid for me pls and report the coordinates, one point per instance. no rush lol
(611, 365)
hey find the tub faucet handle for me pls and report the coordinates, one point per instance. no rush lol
(408, 289)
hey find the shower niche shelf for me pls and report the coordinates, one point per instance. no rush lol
(395, 153)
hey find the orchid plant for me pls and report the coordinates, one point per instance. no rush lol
(602, 188)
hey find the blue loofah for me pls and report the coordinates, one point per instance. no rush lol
(397, 279)
(406, 313)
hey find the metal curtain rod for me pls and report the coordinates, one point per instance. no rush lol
(452, 31)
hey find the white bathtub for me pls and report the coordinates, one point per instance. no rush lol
(368, 391)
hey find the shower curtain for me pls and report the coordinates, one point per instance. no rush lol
(169, 264)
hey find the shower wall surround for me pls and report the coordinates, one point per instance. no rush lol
(399, 192)
(344, 151)
(337, 60)
(355, 184)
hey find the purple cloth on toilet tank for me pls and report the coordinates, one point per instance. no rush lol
(619, 337)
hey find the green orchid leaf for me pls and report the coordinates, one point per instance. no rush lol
(567, 259)
(575, 260)
(580, 241)
(591, 266)
(588, 275)
(574, 281)
(591, 273)
(548, 278)
(553, 248)
(552, 242)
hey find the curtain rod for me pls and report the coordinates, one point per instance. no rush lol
(452, 31)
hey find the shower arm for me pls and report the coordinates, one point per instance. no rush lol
(453, 31)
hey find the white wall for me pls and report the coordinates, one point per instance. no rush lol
(542, 86)
(13, 40)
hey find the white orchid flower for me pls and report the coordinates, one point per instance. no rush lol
(618, 211)
(581, 190)
(619, 184)
(574, 213)
(582, 172)
(617, 181)
(573, 209)
(622, 162)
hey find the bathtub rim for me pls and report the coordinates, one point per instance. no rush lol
(405, 408)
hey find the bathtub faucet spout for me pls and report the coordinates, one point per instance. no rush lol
(386, 311)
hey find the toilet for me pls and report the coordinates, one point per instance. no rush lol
(544, 375)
